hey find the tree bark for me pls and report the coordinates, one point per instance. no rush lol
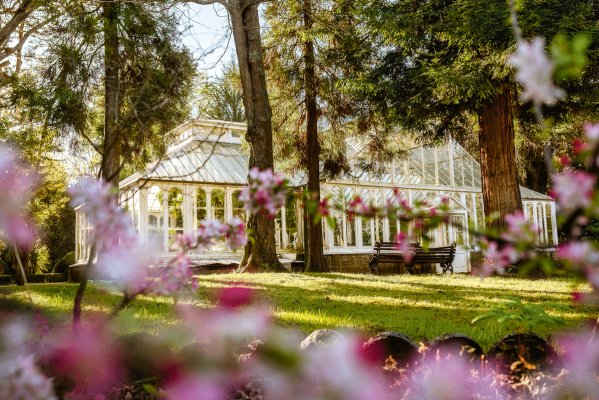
(315, 261)
(501, 192)
(262, 255)
(111, 157)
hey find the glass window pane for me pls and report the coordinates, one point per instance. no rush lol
(366, 225)
(429, 166)
(201, 209)
(458, 175)
(541, 223)
(175, 214)
(201, 198)
(415, 166)
(443, 162)
(386, 177)
(476, 173)
(155, 214)
(350, 223)
(548, 223)
(416, 196)
(480, 214)
(400, 171)
(458, 230)
(238, 211)
(291, 224)
(338, 216)
(468, 170)
(378, 221)
(279, 230)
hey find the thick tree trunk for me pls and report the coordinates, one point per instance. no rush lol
(262, 255)
(501, 192)
(315, 262)
(111, 158)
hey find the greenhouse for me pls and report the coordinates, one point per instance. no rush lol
(201, 178)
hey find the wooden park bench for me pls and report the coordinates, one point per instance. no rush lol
(386, 252)
(435, 255)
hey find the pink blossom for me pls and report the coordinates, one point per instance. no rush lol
(266, 192)
(195, 387)
(497, 259)
(235, 234)
(350, 376)
(405, 245)
(173, 277)
(451, 379)
(20, 378)
(323, 207)
(40, 325)
(582, 256)
(235, 296)
(534, 70)
(573, 190)
(579, 254)
(519, 229)
(92, 358)
(592, 132)
(16, 184)
(579, 356)
(98, 200)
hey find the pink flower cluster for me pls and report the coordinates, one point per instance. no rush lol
(520, 238)
(110, 224)
(173, 277)
(17, 182)
(573, 190)
(266, 192)
(534, 70)
(209, 233)
(405, 244)
(121, 254)
(20, 377)
(582, 256)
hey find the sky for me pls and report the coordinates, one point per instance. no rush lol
(206, 33)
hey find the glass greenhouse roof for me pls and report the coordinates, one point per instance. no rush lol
(205, 157)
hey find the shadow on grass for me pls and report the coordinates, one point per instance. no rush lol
(422, 310)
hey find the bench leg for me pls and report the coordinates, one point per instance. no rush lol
(374, 266)
(447, 267)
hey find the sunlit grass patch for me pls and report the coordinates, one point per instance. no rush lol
(422, 307)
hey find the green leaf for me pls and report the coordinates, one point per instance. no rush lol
(569, 56)
(149, 388)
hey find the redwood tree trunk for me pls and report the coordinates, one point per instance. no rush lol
(262, 254)
(111, 157)
(501, 192)
(315, 261)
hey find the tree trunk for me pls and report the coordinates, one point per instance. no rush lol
(501, 192)
(262, 255)
(111, 157)
(315, 261)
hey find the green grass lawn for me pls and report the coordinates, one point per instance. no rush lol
(422, 307)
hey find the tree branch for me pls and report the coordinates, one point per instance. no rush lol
(8, 52)
(208, 2)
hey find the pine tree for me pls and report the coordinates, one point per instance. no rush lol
(437, 63)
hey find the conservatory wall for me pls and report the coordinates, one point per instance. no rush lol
(200, 178)
(162, 210)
